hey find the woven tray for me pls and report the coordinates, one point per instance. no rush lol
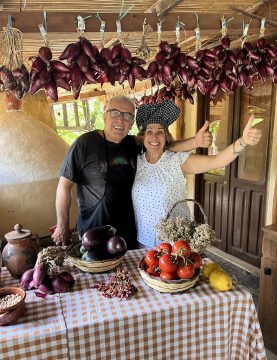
(166, 286)
(96, 266)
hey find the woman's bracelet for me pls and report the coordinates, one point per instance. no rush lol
(241, 142)
(234, 150)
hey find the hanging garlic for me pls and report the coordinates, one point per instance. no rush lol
(144, 50)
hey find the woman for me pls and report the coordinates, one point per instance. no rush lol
(160, 177)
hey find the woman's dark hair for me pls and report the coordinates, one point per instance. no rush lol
(168, 137)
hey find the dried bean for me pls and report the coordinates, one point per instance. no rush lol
(9, 300)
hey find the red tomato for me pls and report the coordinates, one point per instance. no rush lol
(153, 270)
(168, 276)
(168, 264)
(182, 248)
(197, 260)
(151, 258)
(186, 272)
(164, 248)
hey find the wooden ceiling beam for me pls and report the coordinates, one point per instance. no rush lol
(254, 7)
(59, 22)
(163, 7)
(253, 16)
(68, 97)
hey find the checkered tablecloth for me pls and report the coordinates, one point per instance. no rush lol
(199, 324)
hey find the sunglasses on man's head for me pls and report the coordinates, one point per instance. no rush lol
(115, 114)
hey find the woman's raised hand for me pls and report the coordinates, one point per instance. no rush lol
(204, 137)
(250, 135)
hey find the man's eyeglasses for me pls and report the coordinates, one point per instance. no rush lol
(115, 114)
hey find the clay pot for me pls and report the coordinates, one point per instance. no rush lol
(20, 253)
(11, 102)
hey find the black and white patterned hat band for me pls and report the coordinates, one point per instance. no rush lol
(164, 113)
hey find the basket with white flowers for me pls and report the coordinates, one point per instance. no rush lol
(199, 236)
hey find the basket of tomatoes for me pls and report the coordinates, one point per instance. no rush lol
(171, 268)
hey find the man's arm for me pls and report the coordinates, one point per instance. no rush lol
(202, 139)
(63, 203)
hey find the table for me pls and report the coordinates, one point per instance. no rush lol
(201, 323)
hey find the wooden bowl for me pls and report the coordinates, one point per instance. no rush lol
(9, 291)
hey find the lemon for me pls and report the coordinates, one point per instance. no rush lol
(220, 280)
(209, 267)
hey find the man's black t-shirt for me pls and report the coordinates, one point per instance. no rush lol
(104, 173)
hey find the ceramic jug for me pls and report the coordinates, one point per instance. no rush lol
(20, 253)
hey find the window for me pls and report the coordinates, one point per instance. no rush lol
(73, 119)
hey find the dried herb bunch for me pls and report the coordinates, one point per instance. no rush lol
(199, 236)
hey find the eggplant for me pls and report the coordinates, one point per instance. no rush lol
(94, 238)
(116, 245)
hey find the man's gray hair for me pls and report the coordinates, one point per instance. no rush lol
(123, 98)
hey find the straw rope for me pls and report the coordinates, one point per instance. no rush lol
(11, 41)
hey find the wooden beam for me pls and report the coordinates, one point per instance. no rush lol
(163, 7)
(68, 97)
(111, 42)
(257, 5)
(253, 16)
(58, 22)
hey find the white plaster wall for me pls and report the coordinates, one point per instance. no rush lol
(31, 155)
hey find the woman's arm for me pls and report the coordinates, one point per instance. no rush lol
(197, 164)
(202, 139)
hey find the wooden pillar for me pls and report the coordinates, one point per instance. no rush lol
(274, 213)
(180, 123)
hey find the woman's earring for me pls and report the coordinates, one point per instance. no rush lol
(142, 148)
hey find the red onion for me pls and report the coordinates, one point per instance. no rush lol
(116, 50)
(59, 285)
(45, 54)
(51, 90)
(26, 278)
(126, 55)
(67, 277)
(88, 49)
(39, 274)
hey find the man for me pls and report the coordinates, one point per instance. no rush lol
(103, 165)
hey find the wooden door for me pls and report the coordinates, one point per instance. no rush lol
(216, 182)
(234, 196)
(248, 177)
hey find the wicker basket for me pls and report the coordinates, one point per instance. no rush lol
(187, 200)
(95, 266)
(166, 286)
(195, 247)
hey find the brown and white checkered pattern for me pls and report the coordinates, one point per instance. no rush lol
(199, 324)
